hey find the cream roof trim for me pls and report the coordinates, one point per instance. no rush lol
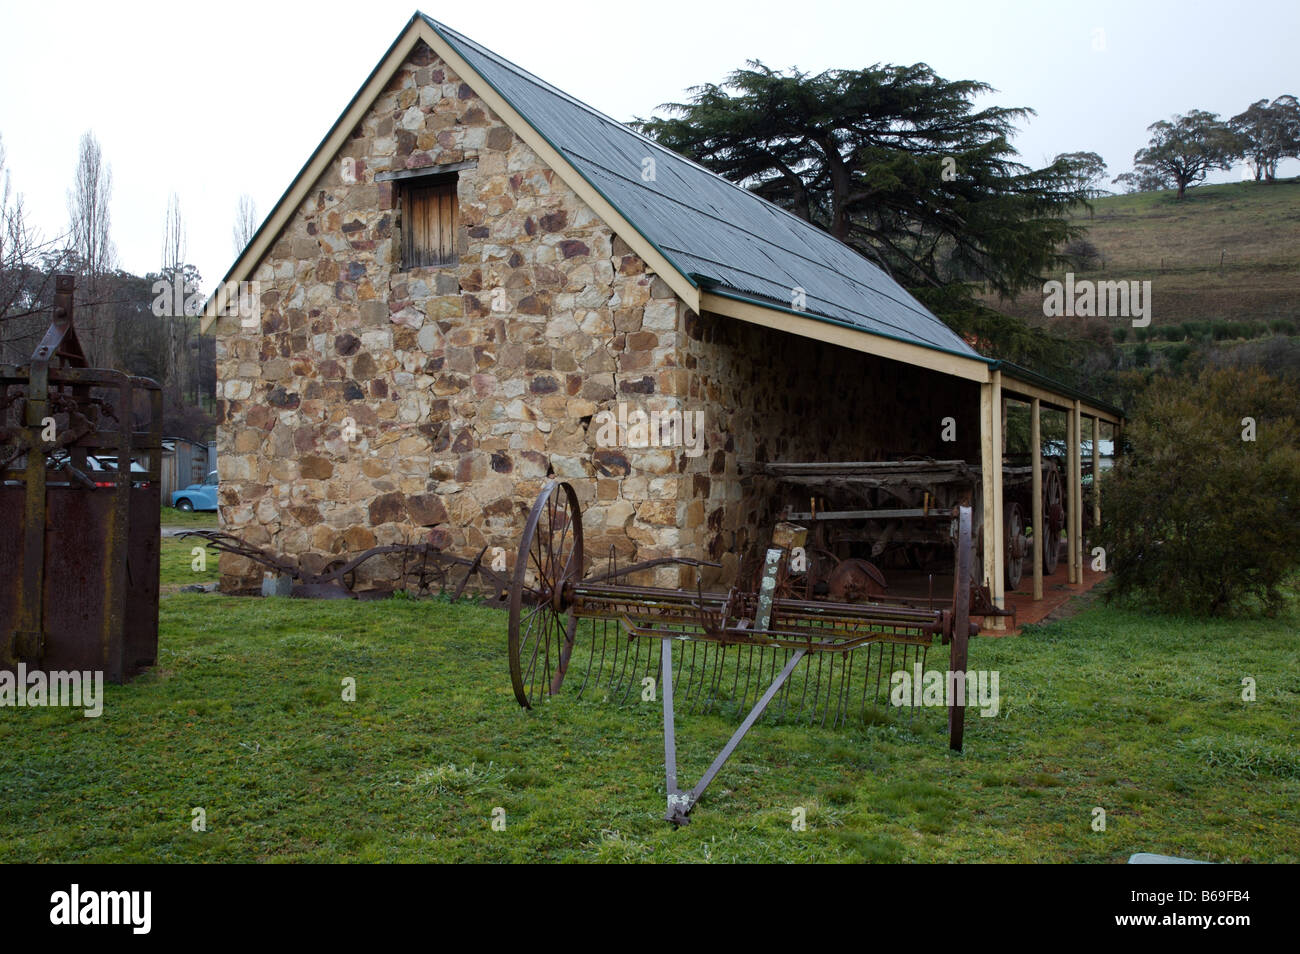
(857, 339)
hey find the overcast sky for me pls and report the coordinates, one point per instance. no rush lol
(214, 100)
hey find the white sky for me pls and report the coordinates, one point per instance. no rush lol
(213, 100)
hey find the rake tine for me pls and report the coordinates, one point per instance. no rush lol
(736, 679)
(788, 688)
(709, 673)
(721, 659)
(599, 667)
(616, 683)
(785, 693)
(690, 677)
(876, 701)
(803, 697)
(607, 674)
(627, 689)
(846, 667)
(925, 653)
(706, 674)
(911, 710)
(699, 651)
(803, 691)
(845, 663)
(749, 672)
(846, 702)
(591, 654)
(866, 681)
(830, 687)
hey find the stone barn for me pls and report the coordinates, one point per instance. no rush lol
(475, 272)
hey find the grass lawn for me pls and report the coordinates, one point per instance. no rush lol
(1137, 714)
(191, 520)
(176, 562)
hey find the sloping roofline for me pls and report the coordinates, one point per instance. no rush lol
(419, 28)
(698, 295)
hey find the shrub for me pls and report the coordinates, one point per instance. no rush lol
(1120, 335)
(1177, 355)
(1173, 332)
(1199, 520)
(1142, 354)
(1082, 254)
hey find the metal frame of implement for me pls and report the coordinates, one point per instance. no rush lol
(549, 600)
(84, 550)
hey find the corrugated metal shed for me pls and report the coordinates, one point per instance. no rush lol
(184, 462)
(706, 225)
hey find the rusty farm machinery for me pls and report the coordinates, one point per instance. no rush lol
(899, 508)
(747, 653)
(426, 565)
(79, 482)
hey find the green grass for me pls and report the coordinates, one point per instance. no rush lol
(243, 717)
(193, 520)
(1224, 253)
(176, 562)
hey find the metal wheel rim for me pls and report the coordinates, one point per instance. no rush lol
(1015, 529)
(1051, 527)
(541, 626)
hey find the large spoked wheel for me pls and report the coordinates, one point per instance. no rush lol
(961, 585)
(1014, 544)
(1053, 518)
(549, 563)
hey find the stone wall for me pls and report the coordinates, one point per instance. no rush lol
(376, 405)
(769, 396)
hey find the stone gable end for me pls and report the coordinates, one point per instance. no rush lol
(378, 405)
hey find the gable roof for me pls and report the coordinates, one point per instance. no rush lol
(713, 231)
(713, 241)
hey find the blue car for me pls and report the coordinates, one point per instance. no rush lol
(197, 496)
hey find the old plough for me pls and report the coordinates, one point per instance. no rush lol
(429, 565)
(744, 653)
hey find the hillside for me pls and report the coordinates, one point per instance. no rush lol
(1225, 253)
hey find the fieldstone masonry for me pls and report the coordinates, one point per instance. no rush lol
(378, 405)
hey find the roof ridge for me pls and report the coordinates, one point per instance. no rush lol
(855, 288)
(551, 87)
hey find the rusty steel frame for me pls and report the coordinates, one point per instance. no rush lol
(549, 597)
(87, 593)
(432, 562)
(911, 476)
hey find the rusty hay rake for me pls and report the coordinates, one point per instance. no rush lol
(743, 653)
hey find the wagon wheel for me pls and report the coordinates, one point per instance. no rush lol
(1014, 544)
(961, 586)
(1053, 518)
(548, 564)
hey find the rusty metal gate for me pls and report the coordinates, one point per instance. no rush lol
(80, 451)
